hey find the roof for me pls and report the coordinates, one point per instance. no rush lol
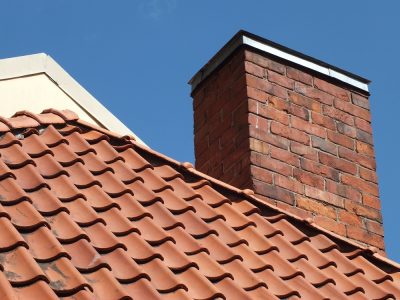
(247, 39)
(35, 82)
(88, 214)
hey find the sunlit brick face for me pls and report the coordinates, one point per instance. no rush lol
(302, 141)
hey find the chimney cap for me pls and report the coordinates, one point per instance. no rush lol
(244, 38)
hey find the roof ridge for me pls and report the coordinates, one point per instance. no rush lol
(26, 119)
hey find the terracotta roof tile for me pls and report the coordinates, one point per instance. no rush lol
(85, 214)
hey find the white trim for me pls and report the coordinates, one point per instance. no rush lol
(42, 63)
(271, 49)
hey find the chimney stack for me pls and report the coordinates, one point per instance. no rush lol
(294, 129)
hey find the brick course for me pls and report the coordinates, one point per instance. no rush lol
(301, 141)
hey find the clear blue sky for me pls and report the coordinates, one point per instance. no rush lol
(136, 57)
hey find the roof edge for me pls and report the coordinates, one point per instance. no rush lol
(42, 63)
(244, 38)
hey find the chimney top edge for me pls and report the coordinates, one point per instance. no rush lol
(244, 38)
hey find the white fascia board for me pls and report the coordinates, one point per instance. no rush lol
(42, 63)
(272, 49)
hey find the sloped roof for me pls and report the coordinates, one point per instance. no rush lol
(86, 214)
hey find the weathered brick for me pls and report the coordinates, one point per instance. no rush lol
(323, 145)
(360, 100)
(368, 175)
(278, 103)
(304, 214)
(275, 140)
(360, 234)
(258, 122)
(340, 139)
(288, 183)
(299, 111)
(259, 146)
(323, 196)
(304, 151)
(322, 120)
(364, 137)
(363, 185)
(338, 115)
(274, 192)
(261, 174)
(264, 110)
(319, 169)
(256, 82)
(285, 156)
(309, 178)
(313, 93)
(330, 224)
(347, 130)
(280, 80)
(332, 89)
(337, 163)
(257, 94)
(349, 218)
(254, 69)
(353, 109)
(374, 227)
(342, 190)
(307, 127)
(316, 207)
(353, 156)
(271, 164)
(363, 125)
(290, 133)
(305, 102)
(299, 75)
(371, 201)
(264, 62)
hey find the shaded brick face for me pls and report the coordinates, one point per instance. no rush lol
(300, 141)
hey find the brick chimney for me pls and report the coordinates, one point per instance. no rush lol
(292, 128)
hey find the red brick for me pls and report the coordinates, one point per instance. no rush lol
(290, 133)
(299, 75)
(278, 103)
(365, 149)
(363, 125)
(323, 196)
(368, 175)
(305, 102)
(338, 115)
(309, 178)
(316, 207)
(371, 201)
(360, 100)
(319, 169)
(313, 93)
(304, 214)
(322, 120)
(268, 112)
(271, 164)
(308, 127)
(304, 151)
(337, 163)
(280, 80)
(285, 156)
(299, 111)
(340, 139)
(342, 190)
(364, 137)
(324, 145)
(258, 122)
(261, 174)
(288, 183)
(332, 89)
(331, 225)
(257, 94)
(353, 156)
(259, 146)
(254, 69)
(275, 140)
(349, 218)
(374, 227)
(363, 185)
(347, 130)
(264, 62)
(256, 82)
(274, 192)
(359, 234)
(353, 109)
